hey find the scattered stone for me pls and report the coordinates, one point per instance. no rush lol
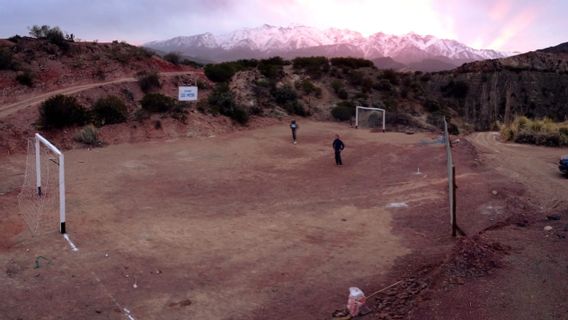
(547, 228)
(344, 220)
(185, 303)
(555, 216)
(566, 227)
(494, 192)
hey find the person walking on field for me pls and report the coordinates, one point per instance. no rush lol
(338, 146)
(293, 126)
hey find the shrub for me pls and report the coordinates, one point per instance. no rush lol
(6, 59)
(272, 68)
(25, 78)
(109, 110)
(192, 63)
(173, 58)
(296, 107)
(284, 94)
(339, 89)
(62, 111)
(222, 99)
(222, 72)
(342, 113)
(87, 135)
(384, 85)
(148, 81)
(157, 103)
(351, 63)
(391, 76)
(313, 66)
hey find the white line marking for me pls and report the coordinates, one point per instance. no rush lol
(73, 246)
(397, 205)
(127, 312)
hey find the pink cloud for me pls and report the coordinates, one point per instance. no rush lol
(518, 24)
(500, 9)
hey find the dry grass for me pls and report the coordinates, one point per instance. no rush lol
(539, 131)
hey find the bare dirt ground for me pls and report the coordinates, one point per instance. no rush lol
(240, 226)
(530, 280)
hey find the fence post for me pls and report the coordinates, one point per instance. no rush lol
(454, 222)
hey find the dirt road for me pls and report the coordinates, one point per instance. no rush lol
(8, 109)
(533, 166)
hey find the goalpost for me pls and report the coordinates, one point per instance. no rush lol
(43, 192)
(359, 117)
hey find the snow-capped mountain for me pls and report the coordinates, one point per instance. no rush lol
(295, 41)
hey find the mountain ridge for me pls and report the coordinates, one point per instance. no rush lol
(292, 41)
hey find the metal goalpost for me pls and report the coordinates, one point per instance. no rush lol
(39, 140)
(368, 108)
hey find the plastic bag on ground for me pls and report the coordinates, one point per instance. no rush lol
(355, 301)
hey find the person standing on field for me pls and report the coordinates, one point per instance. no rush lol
(338, 146)
(294, 127)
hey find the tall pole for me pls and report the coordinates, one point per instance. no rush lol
(62, 193)
(38, 166)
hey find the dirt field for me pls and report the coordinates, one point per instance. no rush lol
(241, 226)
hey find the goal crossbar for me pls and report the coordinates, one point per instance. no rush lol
(41, 140)
(368, 108)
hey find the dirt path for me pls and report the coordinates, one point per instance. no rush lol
(533, 166)
(8, 109)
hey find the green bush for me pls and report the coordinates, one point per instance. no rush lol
(351, 63)
(284, 94)
(223, 101)
(222, 72)
(148, 81)
(296, 107)
(308, 87)
(157, 103)
(62, 111)
(6, 59)
(384, 85)
(313, 66)
(173, 58)
(272, 68)
(342, 113)
(25, 78)
(88, 135)
(339, 89)
(109, 110)
(392, 76)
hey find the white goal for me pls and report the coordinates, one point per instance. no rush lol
(43, 192)
(370, 117)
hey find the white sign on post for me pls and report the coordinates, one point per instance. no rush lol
(187, 93)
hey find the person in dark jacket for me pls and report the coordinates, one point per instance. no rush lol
(338, 146)
(293, 126)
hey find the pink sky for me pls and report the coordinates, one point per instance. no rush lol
(511, 25)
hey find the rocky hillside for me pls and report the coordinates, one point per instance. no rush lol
(534, 84)
(31, 66)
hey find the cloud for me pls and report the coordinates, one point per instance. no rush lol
(518, 24)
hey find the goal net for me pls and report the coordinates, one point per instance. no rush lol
(42, 197)
(373, 118)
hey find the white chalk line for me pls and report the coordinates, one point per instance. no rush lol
(127, 312)
(397, 205)
(73, 246)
